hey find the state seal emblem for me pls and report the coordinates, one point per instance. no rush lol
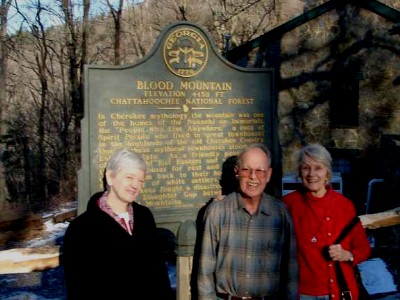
(185, 52)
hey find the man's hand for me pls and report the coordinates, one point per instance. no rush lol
(219, 198)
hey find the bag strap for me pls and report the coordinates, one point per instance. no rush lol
(339, 273)
(340, 277)
(347, 229)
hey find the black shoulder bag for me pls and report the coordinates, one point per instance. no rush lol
(345, 293)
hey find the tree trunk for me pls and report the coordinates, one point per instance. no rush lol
(117, 14)
(74, 79)
(5, 5)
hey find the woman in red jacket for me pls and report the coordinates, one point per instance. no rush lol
(320, 215)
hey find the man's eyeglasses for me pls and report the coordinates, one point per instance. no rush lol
(246, 172)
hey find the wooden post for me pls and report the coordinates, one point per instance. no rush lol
(183, 273)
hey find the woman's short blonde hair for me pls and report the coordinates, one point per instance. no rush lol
(316, 152)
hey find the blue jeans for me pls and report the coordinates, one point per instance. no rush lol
(307, 297)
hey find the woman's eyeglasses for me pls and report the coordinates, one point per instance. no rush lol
(246, 172)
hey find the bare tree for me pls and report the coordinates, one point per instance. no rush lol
(76, 65)
(116, 14)
(242, 20)
(41, 56)
(5, 5)
(138, 35)
(37, 64)
(84, 45)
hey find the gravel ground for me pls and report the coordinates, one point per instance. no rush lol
(45, 285)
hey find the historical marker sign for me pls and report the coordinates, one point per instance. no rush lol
(186, 109)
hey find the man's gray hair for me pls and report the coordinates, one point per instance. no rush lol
(260, 146)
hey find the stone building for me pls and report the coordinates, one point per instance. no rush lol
(337, 73)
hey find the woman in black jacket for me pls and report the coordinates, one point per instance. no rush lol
(112, 251)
